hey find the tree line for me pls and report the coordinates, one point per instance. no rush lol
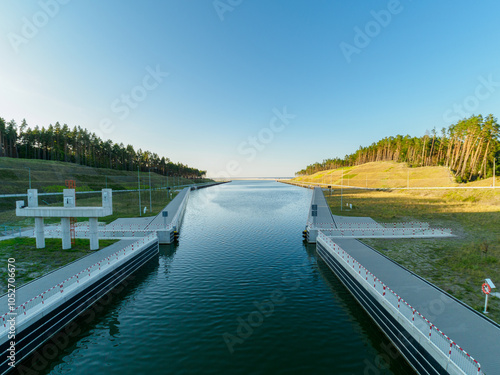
(468, 148)
(80, 146)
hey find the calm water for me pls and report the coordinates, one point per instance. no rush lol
(195, 308)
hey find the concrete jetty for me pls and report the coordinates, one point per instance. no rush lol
(46, 305)
(321, 219)
(166, 224)
(435, 332)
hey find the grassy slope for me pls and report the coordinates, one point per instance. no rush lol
(458, 265)
(389, 175)
(50, 176)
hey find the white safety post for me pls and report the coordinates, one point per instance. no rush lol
(341, 188)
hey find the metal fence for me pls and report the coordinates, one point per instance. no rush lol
(448, 348)
(387, 232)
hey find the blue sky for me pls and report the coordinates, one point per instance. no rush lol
(208, 82)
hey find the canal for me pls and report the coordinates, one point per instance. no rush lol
(240, 294)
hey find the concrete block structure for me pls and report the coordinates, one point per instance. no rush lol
(66, 212)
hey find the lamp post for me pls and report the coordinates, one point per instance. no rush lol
(29, 172)
(341, 189)
(150, 206)
(139, 184)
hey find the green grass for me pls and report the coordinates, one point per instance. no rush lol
(50, 176)
(457, 265)
(32, 263)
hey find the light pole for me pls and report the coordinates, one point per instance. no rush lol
(139, 184)
(150, 206)
(341, 189)
(29, 172)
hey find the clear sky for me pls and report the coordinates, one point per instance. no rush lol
(249, 87)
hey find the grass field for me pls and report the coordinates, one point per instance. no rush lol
(458, 265)
(50, 176)
(389, 175)
(32, 263)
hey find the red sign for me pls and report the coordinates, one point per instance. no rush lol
(486, 288)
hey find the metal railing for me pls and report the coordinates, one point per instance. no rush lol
(26, 309)
(388, 232)
(405, 224)
(448, 348)
(13, 230)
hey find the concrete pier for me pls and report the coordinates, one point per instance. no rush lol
(433, 330)
(39, 233)
(321, 219)
(48, 304)
(166, 227)
(65, 233)
(93, 233)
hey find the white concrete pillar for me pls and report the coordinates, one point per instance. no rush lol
(107, 198)
(32, 197)
(65, 233)
(69, 197)
(94, 239)
(39, 233)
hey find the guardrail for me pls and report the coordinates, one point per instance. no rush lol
(408, 224)
(24, 310)
(361, 225)
(388, 232)
(13, 230)
(448, 348)
(21, 195)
